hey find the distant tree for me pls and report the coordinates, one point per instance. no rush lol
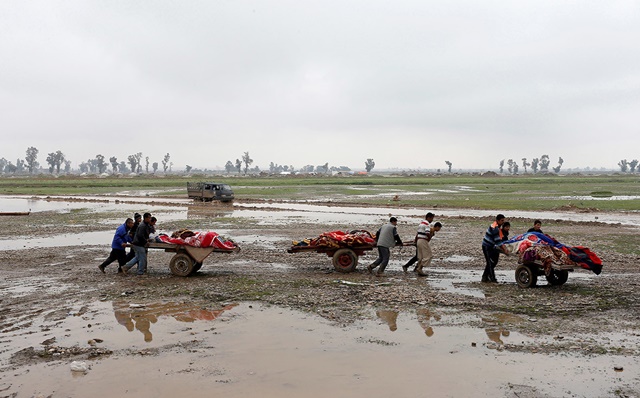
(323, 168)
(246, 159)
(307, 169)
(632, 165)
(501, 166)
(623, 165)
(84, 167)
(155, 167)
(239, 165)
(146, 164)
(52, 162)
(101, 164)
(187, 168)
(67, 166)
(3, 164)
(559, 166)
(510, 162)
(229, 166)
(123, 167)
(449, 164)
(525, 164)
(114, 164)
(131, 159)
(369, 165)
(32, 159)
(534, 165)
(544, 163)
(20, 165)
(515, 167)
(10, 168)
(170, 166)
(165, 162)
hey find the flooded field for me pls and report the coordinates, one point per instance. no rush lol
(263, 322)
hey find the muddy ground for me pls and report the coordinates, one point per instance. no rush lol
(577, 318)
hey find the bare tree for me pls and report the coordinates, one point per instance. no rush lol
(525, 164)
(239, 165)
(544, 163)
(146, 164)
(132, 163)
(623, 164)
(534, 165)
(165, 162)
(155, 167)
(369, 165)
(510, 162)
(501, 166)
(632, 165)
(559, 166)
(246, 159)
(449, 164)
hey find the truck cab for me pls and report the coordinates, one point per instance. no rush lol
(209, 191)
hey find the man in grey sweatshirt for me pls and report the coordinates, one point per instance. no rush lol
(386, 238)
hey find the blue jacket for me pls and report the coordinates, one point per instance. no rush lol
(121, 236)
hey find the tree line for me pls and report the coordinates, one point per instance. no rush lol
(57, 161)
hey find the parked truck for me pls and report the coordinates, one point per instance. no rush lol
(209, 191)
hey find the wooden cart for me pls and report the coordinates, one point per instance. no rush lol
(188, 259)
(345, 258)
(527, 274)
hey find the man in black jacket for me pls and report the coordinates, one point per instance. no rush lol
(140, 240)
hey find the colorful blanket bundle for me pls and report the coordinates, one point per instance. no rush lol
(533, 246)
(199, 239)
(339, 239)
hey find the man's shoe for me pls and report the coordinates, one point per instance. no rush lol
(119, 270)
(379, 274)
(405, 268)
(370, 269)
(101, 268)
(485, 280)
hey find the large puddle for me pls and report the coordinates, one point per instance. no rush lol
(249, 350)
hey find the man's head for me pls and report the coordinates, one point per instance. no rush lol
(500, 219)
(137, 217)
(437, 226)
(429, 216)
(506, 226)
(146, 217)
(537, 225)
(152, 221)
(393, 220)
(129, 223)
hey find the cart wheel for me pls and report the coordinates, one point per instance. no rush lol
(196, 268)
(181, 265)
(525, 277)
(345, 260)
(557, 277)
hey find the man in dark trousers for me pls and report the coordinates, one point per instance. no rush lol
(139, 242)
(491, 249)
(137, 219)
(119, 242)
(386, 238)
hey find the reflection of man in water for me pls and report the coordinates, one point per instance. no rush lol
(424, 316)
(495, 333)
(389, 317)
(143, 324)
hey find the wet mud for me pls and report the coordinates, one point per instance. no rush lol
(263, 322)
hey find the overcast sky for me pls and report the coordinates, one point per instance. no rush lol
(410, 84)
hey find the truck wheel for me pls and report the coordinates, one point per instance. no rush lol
(345, 260)
(557, 277)
(181, 265)
(525, 277)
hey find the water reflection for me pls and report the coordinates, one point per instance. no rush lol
(141, 317)
(424, 316)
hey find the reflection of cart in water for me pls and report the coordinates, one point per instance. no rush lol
(188, 259)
